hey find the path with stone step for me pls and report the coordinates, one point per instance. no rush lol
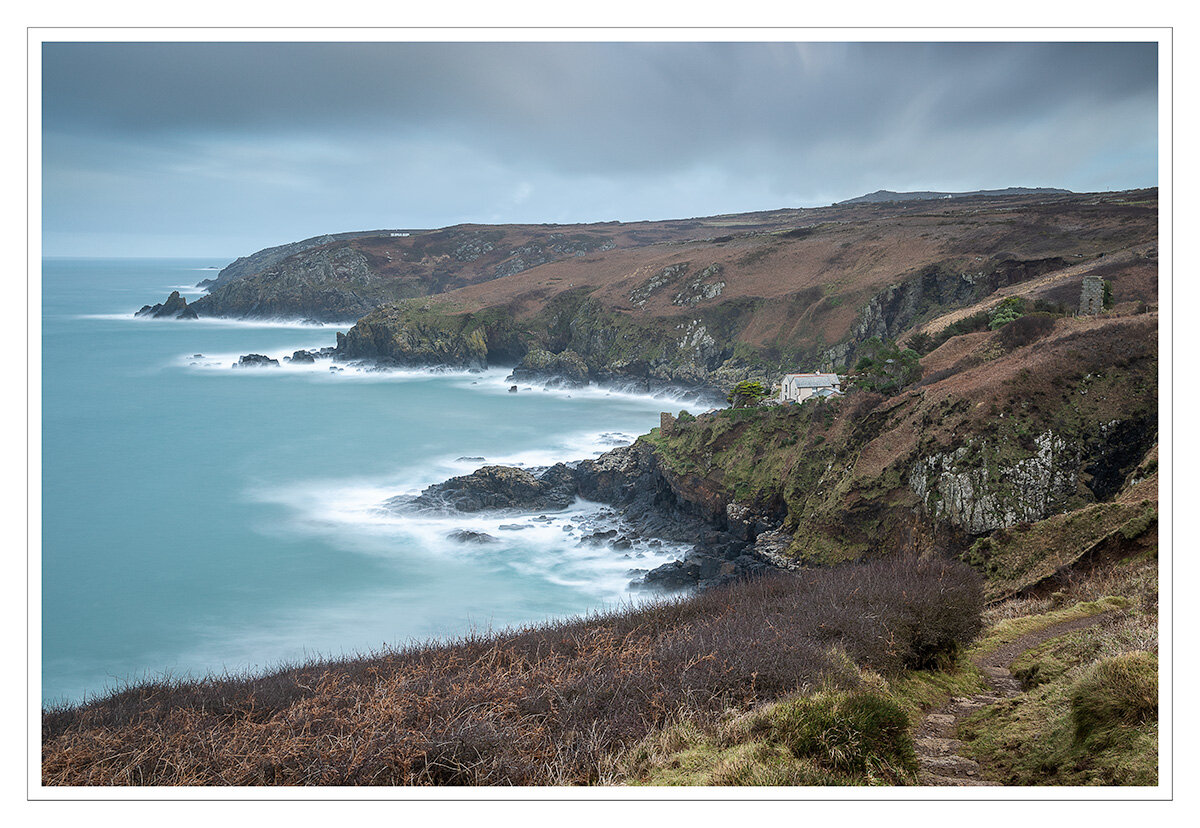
(939, 754)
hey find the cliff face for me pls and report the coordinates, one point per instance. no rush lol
(975, 490)
(263, 259)
(331, 284)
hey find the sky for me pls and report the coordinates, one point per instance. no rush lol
(221, 149)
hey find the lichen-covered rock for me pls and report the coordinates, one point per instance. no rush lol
(705, 285)
(975, 489)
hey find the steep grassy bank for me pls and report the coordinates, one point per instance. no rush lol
(550, 705)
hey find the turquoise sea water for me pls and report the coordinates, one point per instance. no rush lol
(200, 518)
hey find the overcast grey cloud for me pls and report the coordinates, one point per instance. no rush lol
(223, 148)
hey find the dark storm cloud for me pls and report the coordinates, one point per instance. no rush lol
(427, 134)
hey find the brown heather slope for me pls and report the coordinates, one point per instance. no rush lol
(838, 257)
(772, 290)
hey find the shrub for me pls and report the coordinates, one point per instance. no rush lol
(1025, 330)
(746, 393)
(1118, 690)
(884, 367)
(902, 613)
(542, 705)
(1009, 310)
(921, 342)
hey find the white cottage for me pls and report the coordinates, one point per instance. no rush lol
(799, 387)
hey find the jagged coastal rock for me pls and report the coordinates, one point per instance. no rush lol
(174, 307)
(631, 480)
(255, 361)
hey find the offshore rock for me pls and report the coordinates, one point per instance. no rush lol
(175, 307)
(255, 361)
(500, 488)
(467, 536)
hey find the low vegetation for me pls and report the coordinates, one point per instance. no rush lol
(558, 704)
(884, 367)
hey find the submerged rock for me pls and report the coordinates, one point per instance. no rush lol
(468, 536)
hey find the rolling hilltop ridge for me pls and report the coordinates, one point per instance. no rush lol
(924, 195)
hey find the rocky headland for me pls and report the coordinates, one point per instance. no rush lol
(698, 303)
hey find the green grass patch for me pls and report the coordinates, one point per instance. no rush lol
(1010, 629)
(920, 691)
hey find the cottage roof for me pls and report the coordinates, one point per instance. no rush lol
(811, 380)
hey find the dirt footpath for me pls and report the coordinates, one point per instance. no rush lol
(938, 752)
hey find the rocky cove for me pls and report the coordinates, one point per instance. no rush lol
(645, 509)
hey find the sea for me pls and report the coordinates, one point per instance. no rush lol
(200, 519)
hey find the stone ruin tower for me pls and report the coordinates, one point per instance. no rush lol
(1091, 300)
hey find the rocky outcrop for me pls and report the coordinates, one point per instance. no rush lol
(707, 566)
(646, 501)
(175, 307)
(255, 361)
(499, 488)
(564, 370)
(948, 284)
(257, 262)
(425, 332)
(328, 284)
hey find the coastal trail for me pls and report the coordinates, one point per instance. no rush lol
(938, 751)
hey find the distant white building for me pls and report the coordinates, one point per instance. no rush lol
(799, 387)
